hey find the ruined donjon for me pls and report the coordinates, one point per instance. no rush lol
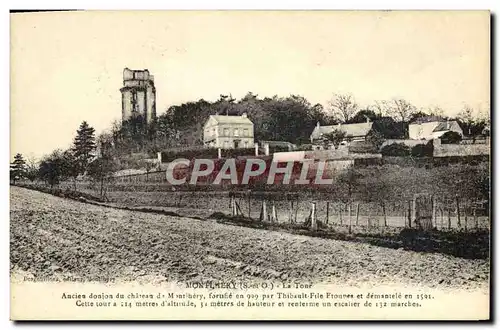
(138, 95)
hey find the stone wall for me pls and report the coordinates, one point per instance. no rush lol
(450, 150)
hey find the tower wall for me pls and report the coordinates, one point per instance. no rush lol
(138, 95)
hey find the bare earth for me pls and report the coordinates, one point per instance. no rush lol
(52, 237)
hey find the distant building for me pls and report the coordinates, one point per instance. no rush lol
(138, 95)
(228, 132)
(433, 129)
(353, 132)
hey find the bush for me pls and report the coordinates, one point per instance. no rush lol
(451, 138)
(423, 150)
(396, 149)
(304, 147)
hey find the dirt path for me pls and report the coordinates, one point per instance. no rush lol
(56, 237)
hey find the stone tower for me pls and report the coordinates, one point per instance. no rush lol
(138, 95)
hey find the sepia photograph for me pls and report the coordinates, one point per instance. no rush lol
(250, 165)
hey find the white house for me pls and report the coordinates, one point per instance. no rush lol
(433, 129)
(228, 132)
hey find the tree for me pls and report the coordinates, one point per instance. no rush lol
(54, 168)
(71, 165)
(342, 107)
(435, 111)
(31, 172)
(401, 110)
(335, 137)
(102, 168)
(388, 128)
(364, 115)
(418, 115)
(380, 108)
(17, 168)
(84, 146)
(451, 137)
(471, 125)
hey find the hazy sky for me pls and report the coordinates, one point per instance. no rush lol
(67, 67)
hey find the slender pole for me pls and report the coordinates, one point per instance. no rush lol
(263, 212)
(385, 215)
(327, 211)
(466, 209)
(409, 213)
(249, 210)
(314, 225)
(434, 221)
(340, 213)
(350, 217)
(357, 214)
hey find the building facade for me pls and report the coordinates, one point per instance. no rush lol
(353, 133)
(228, 132)
(433, 129)
(138, 95)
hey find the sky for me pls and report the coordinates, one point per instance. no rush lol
(66, 67)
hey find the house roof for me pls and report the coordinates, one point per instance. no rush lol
(444, 126)
(354, 130)
(231, 119)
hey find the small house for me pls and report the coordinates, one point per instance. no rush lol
(353, 133)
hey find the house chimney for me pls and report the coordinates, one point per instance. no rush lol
(367, 119)
(447, 124)
(317, 124)
(244, 115)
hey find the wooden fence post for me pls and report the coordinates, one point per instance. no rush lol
(350, 216)
(385, 214)
(433, 221)
(340, 213)
(296, 211)
(263, 212)
(449, 219)
(357, 214)
(274, 216)
(458, 213)
(249, 203)
(327, 211)
(409, 213)
(466, 209)
(290, 215)
(233, 207)
(414, 211)
(314, 225)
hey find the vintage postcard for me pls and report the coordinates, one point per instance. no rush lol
(250, 165)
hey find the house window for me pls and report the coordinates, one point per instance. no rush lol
(236, 133)
(245, 132)
(226, 131)
(245, 144)
(226, 143)
(213, 131)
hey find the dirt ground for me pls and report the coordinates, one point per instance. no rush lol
(52, 237)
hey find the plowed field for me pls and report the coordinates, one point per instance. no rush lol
(52, 237)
